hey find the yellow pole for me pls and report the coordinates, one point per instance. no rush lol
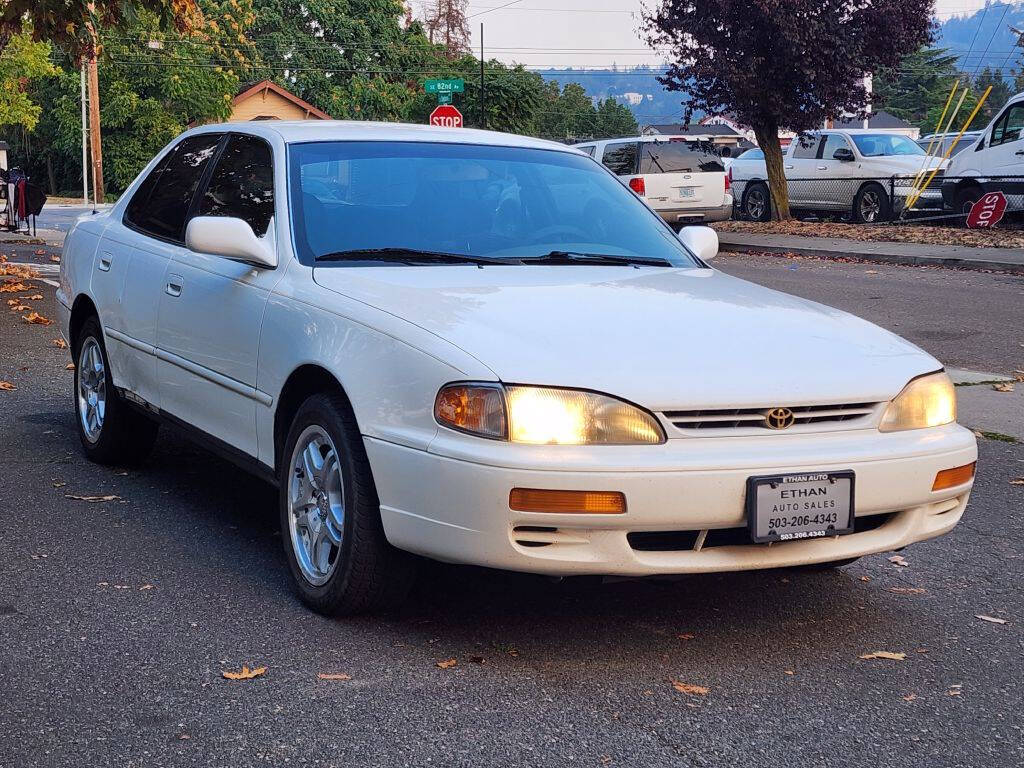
(949, 151)
(938, 132)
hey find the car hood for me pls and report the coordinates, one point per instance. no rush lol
(663, 338)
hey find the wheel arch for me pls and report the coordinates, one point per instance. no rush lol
(81, 310)
(306, 380)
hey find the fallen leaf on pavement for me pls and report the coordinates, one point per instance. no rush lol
(884, 655)
(245, 673)
(907, 590)
(144, 587)
(788, 672)
(476, 659)
(14, 287)
(334, 676)
(33, 297)
(686, 636)
(899, 561)
(1018, 375)
(6, 386)
(696, 690)
(92, 499)
(41, 252)
(447, 663)
(57, 484)
(36, 319)
(1003, 386)
(54, 257)
(59, 343)
(871, 272)
(1017, 481)
(954, 690)
(16, 307)
(993, 619)
(69, 367)
(865, 578)
(910, 697)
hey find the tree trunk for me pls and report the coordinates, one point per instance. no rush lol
(768, 140)
(51, 176)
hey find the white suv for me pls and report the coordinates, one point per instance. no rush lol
(682, 179)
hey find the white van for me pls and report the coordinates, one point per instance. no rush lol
(993, 162)
(682, 178)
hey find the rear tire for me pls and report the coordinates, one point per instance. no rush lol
(757, 202)
(339, 558)
(110, 430)
(966, 198)
(871, 205)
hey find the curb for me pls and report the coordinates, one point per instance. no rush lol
(948, 262)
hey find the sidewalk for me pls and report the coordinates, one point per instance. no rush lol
(956, 256)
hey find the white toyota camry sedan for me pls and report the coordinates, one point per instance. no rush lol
(483, 348)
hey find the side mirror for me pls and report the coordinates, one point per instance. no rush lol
(228, 237)
(703, 241)
(843, 155)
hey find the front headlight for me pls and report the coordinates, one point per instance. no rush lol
(544, 415)
(927, 401)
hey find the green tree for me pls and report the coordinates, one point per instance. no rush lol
(22, 60)
(996, 99)
(567, 114)
(918, 87)
(614, 119)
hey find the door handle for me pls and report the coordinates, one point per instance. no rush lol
(173, 287)
(788, 167)
(822, 167)
(105, 259)
(1019, 152)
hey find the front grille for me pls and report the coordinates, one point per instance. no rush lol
(720, 419)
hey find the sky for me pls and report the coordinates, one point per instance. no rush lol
(591, 33)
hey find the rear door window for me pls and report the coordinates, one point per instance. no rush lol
(805, 147)
(679, 157)
(242, 184)
(162, 212)
(621, 158)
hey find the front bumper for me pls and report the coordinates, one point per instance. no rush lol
(452, 503)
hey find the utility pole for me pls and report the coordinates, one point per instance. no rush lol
(483, 91)
(94, 127)
(85, 140)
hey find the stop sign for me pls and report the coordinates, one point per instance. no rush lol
(446, 116)
(987, 211)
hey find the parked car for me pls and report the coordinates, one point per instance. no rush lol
(683, 179)
(938, 144)
(482, 348)
(995, 163)
(866, 174)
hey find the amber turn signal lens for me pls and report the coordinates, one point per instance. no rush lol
(567, 502)
(475, 408)
(951, 478)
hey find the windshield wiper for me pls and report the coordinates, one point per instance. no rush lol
(576, 257)
(410, 256)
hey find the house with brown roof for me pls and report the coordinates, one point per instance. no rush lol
(266, 100)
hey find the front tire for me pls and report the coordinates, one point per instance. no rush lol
(757, 202)
(339, 558)
(110, 431)
(966, 198)
(871, 205)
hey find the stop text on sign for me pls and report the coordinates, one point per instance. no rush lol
(987, 211)
(446, 116)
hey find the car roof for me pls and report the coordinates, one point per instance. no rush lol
(649, 138)
(298, 131)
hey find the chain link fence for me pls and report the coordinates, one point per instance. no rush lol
(880, 199)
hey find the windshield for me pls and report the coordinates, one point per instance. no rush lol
(431, 202)
(885, 144)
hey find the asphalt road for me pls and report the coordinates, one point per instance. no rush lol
(117, 619)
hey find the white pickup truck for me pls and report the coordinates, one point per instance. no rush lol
(866, 174)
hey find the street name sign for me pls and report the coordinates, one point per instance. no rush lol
(446, 116)
(457, 85)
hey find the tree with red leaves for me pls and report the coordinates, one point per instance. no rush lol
(789, 64)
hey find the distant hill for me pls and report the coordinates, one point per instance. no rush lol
(989, 31)
(637, 88)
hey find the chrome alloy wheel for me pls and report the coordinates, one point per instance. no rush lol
(316, 505)
(870, 206)
(92, 389)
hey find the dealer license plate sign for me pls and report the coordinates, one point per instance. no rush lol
(800, 506)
